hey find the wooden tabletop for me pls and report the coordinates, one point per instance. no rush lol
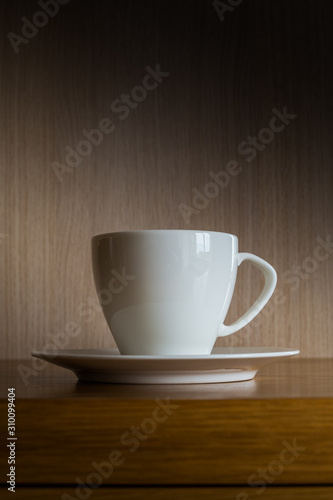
(204, 436)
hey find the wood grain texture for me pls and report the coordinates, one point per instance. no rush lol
(200, 442)
(288, 493)
(225, 79)
(228, 434)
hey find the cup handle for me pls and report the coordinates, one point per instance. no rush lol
(270, 283)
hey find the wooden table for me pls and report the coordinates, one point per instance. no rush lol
(271, 437)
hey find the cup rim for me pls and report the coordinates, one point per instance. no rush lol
(148, 231)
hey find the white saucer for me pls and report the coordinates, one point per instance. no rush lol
(225, 364)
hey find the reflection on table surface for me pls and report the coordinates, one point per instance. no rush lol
(290, 378)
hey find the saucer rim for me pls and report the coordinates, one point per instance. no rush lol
(275, 352)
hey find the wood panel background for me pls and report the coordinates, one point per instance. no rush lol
(225, 78)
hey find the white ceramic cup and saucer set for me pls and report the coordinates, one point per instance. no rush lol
(165, 295)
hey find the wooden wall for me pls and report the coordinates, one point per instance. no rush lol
(225, 78)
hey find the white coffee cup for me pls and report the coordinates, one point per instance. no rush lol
(167, 292)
